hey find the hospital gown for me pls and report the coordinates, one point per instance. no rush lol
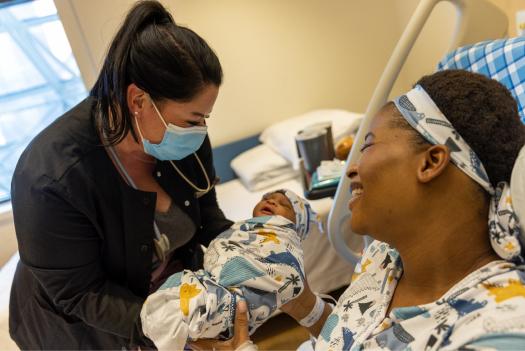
(488, 304)
(260, 260)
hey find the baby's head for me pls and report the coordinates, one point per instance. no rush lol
(275, 204)
(289, 205)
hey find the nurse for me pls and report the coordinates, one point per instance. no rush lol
(117, 194)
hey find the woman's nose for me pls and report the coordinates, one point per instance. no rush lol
(352, 171)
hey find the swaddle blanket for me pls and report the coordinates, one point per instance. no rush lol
(260, 260)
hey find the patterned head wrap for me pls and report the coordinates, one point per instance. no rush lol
(305, 217)
(506, 235)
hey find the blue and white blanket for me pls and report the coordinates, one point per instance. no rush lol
(260, 260)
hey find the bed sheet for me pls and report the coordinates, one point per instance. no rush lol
(325, 269)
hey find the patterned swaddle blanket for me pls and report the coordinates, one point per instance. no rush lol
(260, 259)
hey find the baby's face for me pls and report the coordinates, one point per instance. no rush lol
(274, 204)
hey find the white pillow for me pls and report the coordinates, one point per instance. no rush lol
(280, 136)
(261, 167)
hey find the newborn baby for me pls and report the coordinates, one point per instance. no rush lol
(259, 260)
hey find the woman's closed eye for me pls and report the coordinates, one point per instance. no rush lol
(365, 146)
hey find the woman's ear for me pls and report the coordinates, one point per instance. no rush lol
(434, 161)
(135, 99)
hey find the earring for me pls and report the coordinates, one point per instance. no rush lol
(136, 113)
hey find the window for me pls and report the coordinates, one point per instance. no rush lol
(39, 78)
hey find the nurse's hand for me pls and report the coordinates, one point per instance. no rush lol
(241, 337)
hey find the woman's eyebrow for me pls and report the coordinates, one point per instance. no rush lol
(369, 135)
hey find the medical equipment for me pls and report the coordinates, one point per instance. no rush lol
(177, 142)
(470, 28)
(199, 191)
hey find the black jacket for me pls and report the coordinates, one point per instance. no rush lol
(86, 238)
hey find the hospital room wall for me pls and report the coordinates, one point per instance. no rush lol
(280, 58)
(510, 7)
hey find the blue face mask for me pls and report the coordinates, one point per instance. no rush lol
(177, 142)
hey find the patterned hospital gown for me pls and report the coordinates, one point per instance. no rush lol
(488, 302)
(260, 259)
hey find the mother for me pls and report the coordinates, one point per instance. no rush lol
(118, 193)
(435, 165)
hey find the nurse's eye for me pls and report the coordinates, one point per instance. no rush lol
(365, 146)
(193, 123)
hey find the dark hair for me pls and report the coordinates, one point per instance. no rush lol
(483, 112)
(163, 59)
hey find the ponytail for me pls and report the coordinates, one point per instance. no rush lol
(161, 58)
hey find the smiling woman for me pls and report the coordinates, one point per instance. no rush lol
(422, 190)
(382, 181)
